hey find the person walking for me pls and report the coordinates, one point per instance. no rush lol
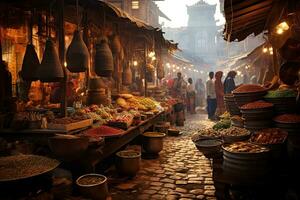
(200, 93)
(219, 87)
(211, 97)
(229, 84)
(191, 97)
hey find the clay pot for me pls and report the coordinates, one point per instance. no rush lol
(127, 76)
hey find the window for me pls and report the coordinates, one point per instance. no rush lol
(135, 5)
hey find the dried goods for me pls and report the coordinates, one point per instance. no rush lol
(129, 154)
(287, 118)
(223, 124)
(205, 133)
(237, 118)
(245, 147)
(234, 131)
(91, 180)
(208, 143)
(103, 131)
(269, 136)
(153, 134)
(24, 166)
(257, 105)
(286, 93)
(249, 88)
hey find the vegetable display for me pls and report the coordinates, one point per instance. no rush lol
(223, 124)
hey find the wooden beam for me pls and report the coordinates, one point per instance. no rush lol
(250, 8)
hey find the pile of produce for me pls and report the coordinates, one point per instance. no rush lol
(205, 133)
(225, 115)
(234, 131)
(97, 113)
(68, 120)
(257, 105)
(269, 136)
(245, 147)
(122, 120)
(287, 118)
(249, 88)
(286, 93)
(103, 131)
(222, 124)
(127, 101)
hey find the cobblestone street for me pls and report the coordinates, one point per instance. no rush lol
(180, 172)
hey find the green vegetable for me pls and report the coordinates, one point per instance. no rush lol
(281, 93)
(223, 124)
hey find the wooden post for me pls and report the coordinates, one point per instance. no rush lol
(275, 62)
(61, 40)
(87, 43)
(145, 68)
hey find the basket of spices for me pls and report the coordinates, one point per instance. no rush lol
(246, 160)
(273, 138)
(234, 134)
(284, 100)
(247, 93)
(257, 110)
(208, 133)
(93, 186)
(288, 122)
(230, 105)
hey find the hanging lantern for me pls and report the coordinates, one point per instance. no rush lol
(51, 69)
(127, 76)
(104, 64)
(77, 54)
(30, 64)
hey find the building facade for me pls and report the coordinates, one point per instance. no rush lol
(145, 10)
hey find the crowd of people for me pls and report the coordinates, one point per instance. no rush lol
(194, 93)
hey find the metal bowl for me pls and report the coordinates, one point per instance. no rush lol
(153, 142)
(211, 148)
(97, 191)
(128, 162)
(68, 147)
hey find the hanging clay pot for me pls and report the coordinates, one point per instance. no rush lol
(51, 69)
(116, 45)
(30, 64)
(104, 64)
(77, 56)
(127, 76)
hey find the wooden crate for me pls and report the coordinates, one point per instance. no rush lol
(72, 126)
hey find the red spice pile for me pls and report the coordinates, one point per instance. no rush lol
(288, 118)
(249, 88)
(256, 105)
(103, 131)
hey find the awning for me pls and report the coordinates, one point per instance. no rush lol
(244, 18)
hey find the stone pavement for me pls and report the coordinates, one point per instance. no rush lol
(180, 172)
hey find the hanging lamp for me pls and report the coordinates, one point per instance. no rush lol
(31, 61)
(77, 56)
(51, 69)
(104, 64)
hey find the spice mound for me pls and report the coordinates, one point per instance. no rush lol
(249, 88)
(234, 131)
(24, 166)
(256, 105)
(153, 134)
(269, 136)
(245, 147)
(205, 133)
(287, 118)
(288, 93)
(91, 180)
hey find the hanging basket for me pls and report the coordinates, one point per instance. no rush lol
(51, 69)
(104, 64)
(77, 56)
(30, 65)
